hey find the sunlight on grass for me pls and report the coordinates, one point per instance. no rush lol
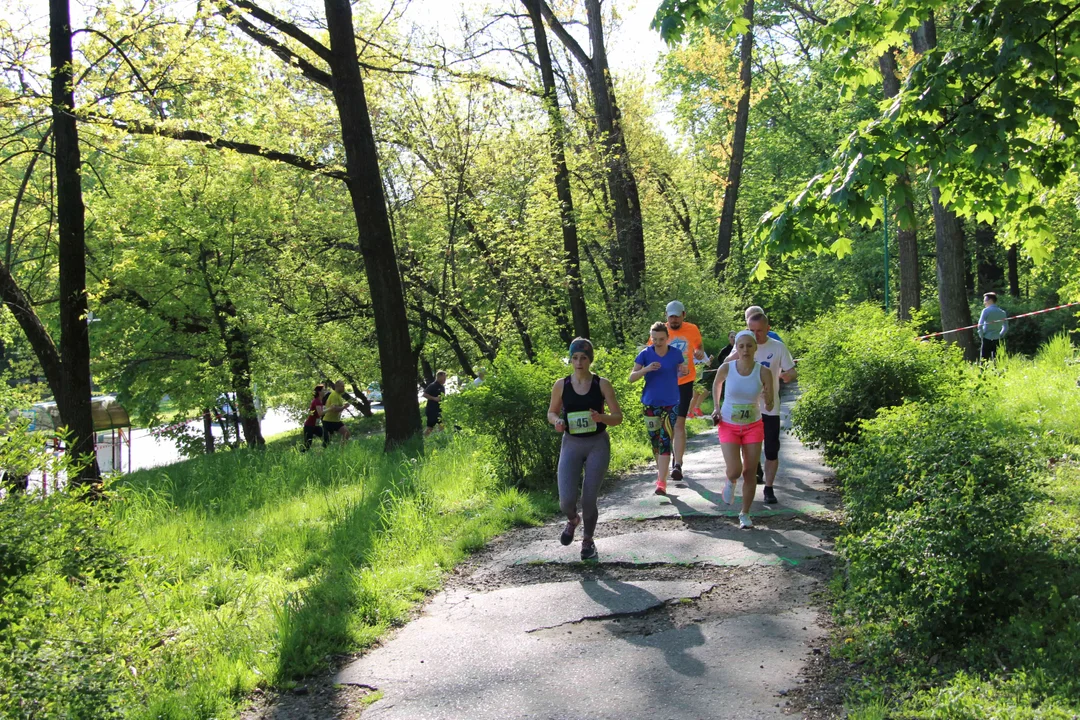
(257, 568)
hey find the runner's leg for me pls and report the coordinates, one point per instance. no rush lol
(596, 467)
(772, 447)
(732, 462)
(750, 453)
(686, 396)
(571, 461)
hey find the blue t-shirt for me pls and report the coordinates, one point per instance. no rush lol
(661, 386)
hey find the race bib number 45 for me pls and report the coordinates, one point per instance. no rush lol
(744, 414)
(580, 422)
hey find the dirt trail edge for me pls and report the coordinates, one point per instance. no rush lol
(686, 616)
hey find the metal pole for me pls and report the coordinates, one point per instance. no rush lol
(886, 242)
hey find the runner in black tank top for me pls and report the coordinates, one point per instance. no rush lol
(577, 411)
(580, 405)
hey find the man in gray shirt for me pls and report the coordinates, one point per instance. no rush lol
(993, 323)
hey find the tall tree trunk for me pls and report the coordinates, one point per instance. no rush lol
(240, 368)
(373, 226)
(990, 274)
(738, 146)
(73, 398)
(1014, 272)
(208, 431)
(949, 237)
(906, 238)
(621, 183)
(557, 145)
(952, 288)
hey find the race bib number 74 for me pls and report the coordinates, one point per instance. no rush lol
(744, 414)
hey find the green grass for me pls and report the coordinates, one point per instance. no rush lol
(1026, 666)
(256, 568)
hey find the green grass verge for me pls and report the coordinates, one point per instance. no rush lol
(249, 568)
(1027, 665)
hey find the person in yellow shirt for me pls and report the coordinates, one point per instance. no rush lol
(331, 420)
(686, 338)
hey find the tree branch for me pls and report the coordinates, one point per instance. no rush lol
(137, 127)
(284, 26)
(565, 37)
(316, 75)
(805, 12)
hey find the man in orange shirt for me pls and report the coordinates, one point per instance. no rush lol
(687, 339)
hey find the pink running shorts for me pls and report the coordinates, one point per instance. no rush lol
(741, 434)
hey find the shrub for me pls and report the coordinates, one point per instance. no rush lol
(859, 361)
(56, 547)
(510, 409)
(937, 502)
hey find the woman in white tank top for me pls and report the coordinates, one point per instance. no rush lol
(738, 420)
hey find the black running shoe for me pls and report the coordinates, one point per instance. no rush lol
(588, 551)
(676, 473)
(567, 536)
(760, 476)
(770, 496)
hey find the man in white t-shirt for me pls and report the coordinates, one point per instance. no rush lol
(774, 355)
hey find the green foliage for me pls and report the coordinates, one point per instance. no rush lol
(990, 114)
(197, 582)
(937, 502)
(510, 411)
(58, 659)
(962, 571)
(858, 361)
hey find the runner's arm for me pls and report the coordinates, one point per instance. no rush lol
(717, 384)
(767, 387)
(614, 413)
(638, 372)
(554, 414)
(788, 371)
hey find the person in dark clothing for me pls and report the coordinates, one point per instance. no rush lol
(433, 393)
(312, 428)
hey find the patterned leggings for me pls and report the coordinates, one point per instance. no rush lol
(660, 435)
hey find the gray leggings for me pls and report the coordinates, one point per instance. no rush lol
(594, 453)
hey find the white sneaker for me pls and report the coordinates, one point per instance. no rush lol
(745, 522)
(727, 492)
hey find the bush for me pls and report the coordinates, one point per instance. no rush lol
(859, 361)
(937, 502)
(510, 409)
(56, 658)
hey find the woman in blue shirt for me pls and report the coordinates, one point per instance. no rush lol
(660, 365)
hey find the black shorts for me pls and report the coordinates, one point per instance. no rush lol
(686, 396)
(772, 436)
(330, 427)
(434, 419)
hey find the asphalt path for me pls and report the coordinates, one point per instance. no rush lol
(685, 616)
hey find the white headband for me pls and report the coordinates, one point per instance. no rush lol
(745, 333)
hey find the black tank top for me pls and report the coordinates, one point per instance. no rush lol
(592, 400)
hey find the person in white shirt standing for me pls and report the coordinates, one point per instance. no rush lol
(773, 354)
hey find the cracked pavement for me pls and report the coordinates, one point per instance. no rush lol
(685, 616)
